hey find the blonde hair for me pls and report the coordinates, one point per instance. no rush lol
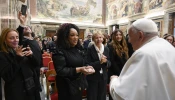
(95, 34)
(3, 36)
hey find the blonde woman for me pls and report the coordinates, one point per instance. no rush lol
(98, 58)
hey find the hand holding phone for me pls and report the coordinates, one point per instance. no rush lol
(23, 9)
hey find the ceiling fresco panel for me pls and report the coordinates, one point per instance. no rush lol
(88, 11)
(123, 8)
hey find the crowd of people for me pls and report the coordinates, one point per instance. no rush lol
(139, 66)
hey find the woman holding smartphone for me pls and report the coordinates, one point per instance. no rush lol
(16, 69)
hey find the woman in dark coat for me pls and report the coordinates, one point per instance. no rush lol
(69, 63)
(98, 58)
(118, 52)
(16, 68)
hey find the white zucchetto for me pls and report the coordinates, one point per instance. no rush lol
(145, 25)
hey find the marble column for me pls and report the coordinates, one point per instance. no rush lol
(33, 8)
(165, 24)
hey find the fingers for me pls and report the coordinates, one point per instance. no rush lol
(28, 53)
(19, 14)
(26, 15)
(89, 67)
(103, 56)
(113, 76)
(28, 48)
(23, 49)
(103, 60)
(19, 47)
(88, 70)
(85, 71)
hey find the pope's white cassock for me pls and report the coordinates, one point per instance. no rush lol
(148, 75)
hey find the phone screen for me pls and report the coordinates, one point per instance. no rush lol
(23, 9)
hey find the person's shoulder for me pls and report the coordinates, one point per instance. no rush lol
(85, 41)
(110, 46)
(91, 46)
(88, 41)
(143, 52)
(3, 54)
(106, 47)
(59, 51)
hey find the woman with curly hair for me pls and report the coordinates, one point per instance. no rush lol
(70, 64)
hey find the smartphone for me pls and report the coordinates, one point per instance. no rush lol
(23, 9)
(25, 45)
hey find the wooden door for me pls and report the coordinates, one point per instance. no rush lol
(173, 24)
(81, 34)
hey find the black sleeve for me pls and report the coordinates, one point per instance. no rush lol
(8, 69)
(20, 31)
(60, 65)
(114, 62)
(91, 61)
(37, 55)
(108, 64)
(35, 60)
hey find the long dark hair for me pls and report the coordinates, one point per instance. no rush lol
(62, 36)
(119, 47)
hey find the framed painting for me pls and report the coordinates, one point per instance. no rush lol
(123, 28)
(159, 24)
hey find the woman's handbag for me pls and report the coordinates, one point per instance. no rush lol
(77, 85)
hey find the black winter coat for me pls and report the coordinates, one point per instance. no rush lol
(10, 71)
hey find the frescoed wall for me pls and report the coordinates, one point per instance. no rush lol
(155, 4)
(168, 3)
(8, 14)
(122, 8)
(89, 11)
(117, 9)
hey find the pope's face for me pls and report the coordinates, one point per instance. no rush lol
(134, 39)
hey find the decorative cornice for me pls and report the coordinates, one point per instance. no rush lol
(170, 9)
(136, 16)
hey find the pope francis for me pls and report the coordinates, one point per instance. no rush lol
(149, 74)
